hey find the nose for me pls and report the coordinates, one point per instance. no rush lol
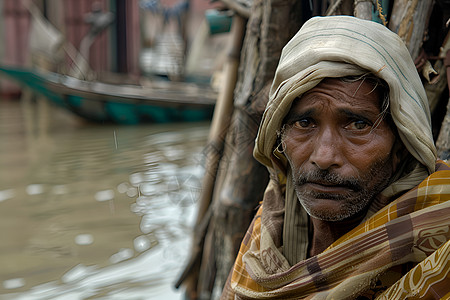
(327, 150)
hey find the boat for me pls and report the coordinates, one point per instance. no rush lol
(156, 101)
(112, 98)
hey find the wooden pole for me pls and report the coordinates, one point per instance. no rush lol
(340, 7)
(409, 19)
(222, 115)
(443, 140)
(242, 180)
(363, 9)
(213, 152)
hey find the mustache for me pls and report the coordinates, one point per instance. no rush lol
(326, 177)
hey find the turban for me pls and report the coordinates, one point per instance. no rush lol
(339, 46)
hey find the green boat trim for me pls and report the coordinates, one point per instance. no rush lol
(157, 102)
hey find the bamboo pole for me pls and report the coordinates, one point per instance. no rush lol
(333, 8)
(222, 115)
(219, 127)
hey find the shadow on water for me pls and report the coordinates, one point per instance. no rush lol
(89, 211)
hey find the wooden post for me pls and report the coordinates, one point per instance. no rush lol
(222, 115)
(409, 19)
(214, 148)
(340, 7)
(443, 141)
(363, 9)
(272, 23)
(242, 180)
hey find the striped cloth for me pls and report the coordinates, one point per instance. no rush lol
(401, 251)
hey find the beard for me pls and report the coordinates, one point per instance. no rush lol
(359, 191)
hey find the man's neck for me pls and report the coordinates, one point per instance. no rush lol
(325, 232)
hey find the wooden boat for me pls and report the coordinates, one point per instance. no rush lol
(155, 101)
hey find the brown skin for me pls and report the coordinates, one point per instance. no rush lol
(341, 155)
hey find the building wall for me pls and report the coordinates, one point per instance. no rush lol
(16, 20)
(67, 16)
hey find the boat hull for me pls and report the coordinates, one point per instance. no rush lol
(160, 102)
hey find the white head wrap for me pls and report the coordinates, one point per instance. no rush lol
(339, 46)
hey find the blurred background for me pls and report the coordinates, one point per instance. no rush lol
(98, 193)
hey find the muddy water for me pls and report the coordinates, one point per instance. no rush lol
(89, 211)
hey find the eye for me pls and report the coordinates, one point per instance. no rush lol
(358, 125)
(303, 123)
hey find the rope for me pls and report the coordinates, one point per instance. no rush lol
(380, 13)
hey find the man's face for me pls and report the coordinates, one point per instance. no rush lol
(339, 148)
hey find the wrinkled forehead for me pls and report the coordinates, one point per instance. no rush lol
(363, 91)
(354, 87)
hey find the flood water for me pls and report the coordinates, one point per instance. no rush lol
(94, 211)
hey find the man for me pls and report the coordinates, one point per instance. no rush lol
(357, 203)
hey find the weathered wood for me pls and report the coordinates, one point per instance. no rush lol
(219, 128)
(436, 86)
(340, 7)
(443, 141)
(237, 7)
(242, 180)
(363, 9)
(409, 19)
(222, 113)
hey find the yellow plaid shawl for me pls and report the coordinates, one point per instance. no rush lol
(412, 230)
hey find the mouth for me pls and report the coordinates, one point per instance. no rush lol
(327, 188)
